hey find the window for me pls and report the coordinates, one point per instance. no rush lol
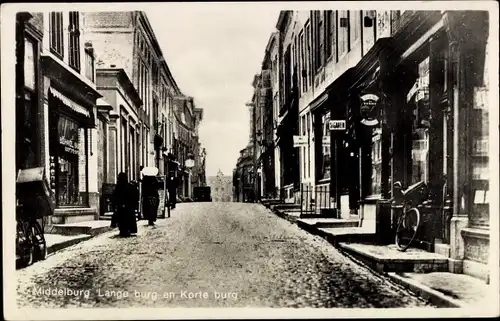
(355, 26)
(325, 150)
(140, 79)
(302, 71)
(155, 74)
(146, 91)
(343, 32)
(74, 40)
(89, 65)
(308, 55)
(70, 166)
(328, 34)
(376, 156)
(29, 64)
(56, 33)
(320, 41)
(27, 109)
(317, 39)
(419, 99)
(296, 62)
(303, 148)
(308, 125)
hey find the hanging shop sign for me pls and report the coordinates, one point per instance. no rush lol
(369, 109)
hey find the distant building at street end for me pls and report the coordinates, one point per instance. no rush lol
(221, 187)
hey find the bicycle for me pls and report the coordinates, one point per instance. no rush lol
(408, 222)
(31, 245)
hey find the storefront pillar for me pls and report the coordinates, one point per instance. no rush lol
(92, 170)
(467, 34)
(113, 148)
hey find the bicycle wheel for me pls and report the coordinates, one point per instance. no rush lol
(407, 228)
(39, 242)
(24, 244)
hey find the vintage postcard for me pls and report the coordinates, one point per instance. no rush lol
(176, 160)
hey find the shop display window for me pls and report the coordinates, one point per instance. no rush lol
(376, 157)
(326, 155)
(418, 103)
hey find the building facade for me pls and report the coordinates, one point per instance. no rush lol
(155, 122)
(70, 106)
(370, 98)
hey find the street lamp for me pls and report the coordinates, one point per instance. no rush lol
(189, 163)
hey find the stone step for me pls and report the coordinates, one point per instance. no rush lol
(285, 206)
(88, 228)
(328, 222)
(386, 258)
(73, 215)
(107, 216)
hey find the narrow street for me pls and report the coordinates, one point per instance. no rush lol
(207, 255)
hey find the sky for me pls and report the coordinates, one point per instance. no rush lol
(213, 52)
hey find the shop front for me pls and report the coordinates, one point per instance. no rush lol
(72, 160)
(329, 112)
(69, 150)
(418, 119)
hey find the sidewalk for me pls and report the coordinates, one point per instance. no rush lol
(413, 269)
(61, 236)
(449, 289)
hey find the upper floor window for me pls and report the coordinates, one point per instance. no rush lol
(89, 64)
(302, 73)
(29, 64)
(56, 33)
(155, 74)
(321, 41)
(308, 81)
(355, 26)
(329, 38)
(343, 32)
(74, 40)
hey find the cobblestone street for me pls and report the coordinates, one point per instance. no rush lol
(207, 255)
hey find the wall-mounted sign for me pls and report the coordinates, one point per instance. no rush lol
(299, 141)
(337, 125)
(369, 109)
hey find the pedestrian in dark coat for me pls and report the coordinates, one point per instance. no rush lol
(150, 198)
(123, 202)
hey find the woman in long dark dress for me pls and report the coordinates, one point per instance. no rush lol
(150, 198)
(124, 207)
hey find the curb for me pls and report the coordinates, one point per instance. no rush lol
(84, 237)
(60, 246)
(429, 294)
(423, 291)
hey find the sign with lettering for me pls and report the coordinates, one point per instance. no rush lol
(337, 125)
(369, 109)
(299, 141)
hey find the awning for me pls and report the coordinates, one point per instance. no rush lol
(318, 101)
(70, 104)
(338, 88)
